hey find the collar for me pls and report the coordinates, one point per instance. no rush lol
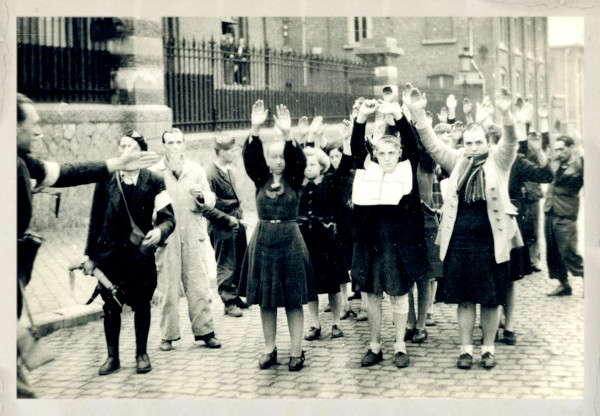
(129, 178)
(317, 181)
(224, 169)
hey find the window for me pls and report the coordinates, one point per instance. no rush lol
(518, 31)
(541, 92)
(359, 28)
(529, 37)
(503, 80)
(504, 32)
(517, 83)
(540, 38)
(530, 87)
(440, 81)
(438, 30)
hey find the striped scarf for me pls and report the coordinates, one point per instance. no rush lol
(472, 177)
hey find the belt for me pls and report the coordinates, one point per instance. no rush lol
(279, 221)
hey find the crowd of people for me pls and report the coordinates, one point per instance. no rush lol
(417, 211)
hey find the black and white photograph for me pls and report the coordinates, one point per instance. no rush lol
(305, 207)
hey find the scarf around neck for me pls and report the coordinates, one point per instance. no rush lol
(472, 178)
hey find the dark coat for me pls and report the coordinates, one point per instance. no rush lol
(108, 236)
(389, 247)
(562, 197)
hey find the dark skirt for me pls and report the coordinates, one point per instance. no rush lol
(276, 267)
(520, 263)
(471, 273)
(436, 266)
(326, 257)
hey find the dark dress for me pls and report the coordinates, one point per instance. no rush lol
(276, 265)
(389, 248)
(471, 273)
(341, 202)
(320, 235)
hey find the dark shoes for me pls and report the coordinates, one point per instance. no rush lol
(241, 304)
(465, 361)
(143, 363)
(267, 360)
(419, 336)
(296, 363)
(429, 320)
(370, 358)
(535, 268)
(111, 365)
(408, 334)
(336, 332)
(509, 337)
(166, 345)
(362, 316)
(562, 290)
(233, 310)
(488, 360)
(213, 342)
(401, 359)
(347, 314)
(313, 334)
(327, 308)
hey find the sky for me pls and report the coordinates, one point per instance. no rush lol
(565, 30)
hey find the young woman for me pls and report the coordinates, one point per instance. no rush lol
(389, 247)
(478, 227)
(319, 230)
(277, 264)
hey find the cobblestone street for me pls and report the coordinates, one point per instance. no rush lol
(547, 361)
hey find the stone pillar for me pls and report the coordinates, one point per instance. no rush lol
(139, 76)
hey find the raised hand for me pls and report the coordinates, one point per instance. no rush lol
(385, 108)
(415, 101)
(303, 125)
(467, 106)
(345, 129)
(283, 120)
(443, 115)
(316, 125)
(503, 100)
(484, 110)
(259, 114)
(451, 101)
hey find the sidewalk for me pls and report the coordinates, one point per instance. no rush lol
(52, 303)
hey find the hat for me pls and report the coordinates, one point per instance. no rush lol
(224, 143)
(132, 134)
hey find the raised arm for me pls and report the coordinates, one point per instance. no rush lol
(295, 160)
(506, 151)
(253, 153)
(358, 144)
(442, 153)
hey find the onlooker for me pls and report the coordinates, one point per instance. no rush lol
(183, 259)
(562, 208)
(226, 228)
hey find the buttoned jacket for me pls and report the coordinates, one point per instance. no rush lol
(497, 167)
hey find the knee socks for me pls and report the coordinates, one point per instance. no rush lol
(142, 327)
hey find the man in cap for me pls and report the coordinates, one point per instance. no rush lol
(183, 258)
(226, 229)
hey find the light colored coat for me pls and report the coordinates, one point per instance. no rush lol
(183, 259)
(501, 213)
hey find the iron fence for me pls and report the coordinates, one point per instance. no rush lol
(58, 60)
(211, 86)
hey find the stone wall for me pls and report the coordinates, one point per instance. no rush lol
(81, 132)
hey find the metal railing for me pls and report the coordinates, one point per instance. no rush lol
(212, 87)
(59, 61)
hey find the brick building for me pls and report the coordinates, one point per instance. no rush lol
(433, 53)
